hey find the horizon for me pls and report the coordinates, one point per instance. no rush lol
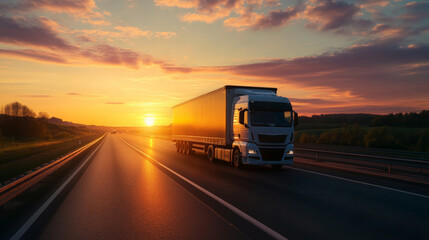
(109, 63)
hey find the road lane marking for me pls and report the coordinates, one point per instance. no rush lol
(234, 209)
(24, 228)
(364, 183)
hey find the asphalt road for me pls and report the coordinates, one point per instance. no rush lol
(126, 195)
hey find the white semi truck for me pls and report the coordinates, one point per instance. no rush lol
(237, 124)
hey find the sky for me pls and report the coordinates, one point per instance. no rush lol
(120, 62)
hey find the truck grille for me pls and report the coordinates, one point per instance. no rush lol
(272, 154)
(272, 138)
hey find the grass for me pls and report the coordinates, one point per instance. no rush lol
(16, 158)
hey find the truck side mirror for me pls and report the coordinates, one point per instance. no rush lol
(295, 119)
(243, 118)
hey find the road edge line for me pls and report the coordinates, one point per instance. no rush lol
(27, 225)
(231, 207)
(360, 182)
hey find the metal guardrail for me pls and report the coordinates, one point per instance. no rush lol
(373, 158)
(369, 151)
(13, 189)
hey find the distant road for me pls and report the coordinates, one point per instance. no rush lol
(126, 195)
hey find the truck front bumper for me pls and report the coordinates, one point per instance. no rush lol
(268, 155)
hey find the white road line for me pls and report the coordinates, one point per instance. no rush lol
(364, 183)
(24, 228)
(237, 211)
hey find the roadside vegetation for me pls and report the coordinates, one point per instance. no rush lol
(28, 140)
(400, 131)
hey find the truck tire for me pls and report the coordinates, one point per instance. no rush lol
(210, 154)
(236, 159)
(188, 148)
(182, 146)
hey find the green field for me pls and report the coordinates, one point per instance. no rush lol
(16, 158)
(352, 135)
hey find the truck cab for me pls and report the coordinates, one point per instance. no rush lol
(263, 127)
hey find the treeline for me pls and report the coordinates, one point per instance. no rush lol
(19, 123)
(328, 121)
(354, 135)
(416, 120)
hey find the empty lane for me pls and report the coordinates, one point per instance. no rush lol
(122, 196)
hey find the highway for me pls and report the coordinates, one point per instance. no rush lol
(157, 193)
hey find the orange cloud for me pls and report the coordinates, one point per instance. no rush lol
(165, 35)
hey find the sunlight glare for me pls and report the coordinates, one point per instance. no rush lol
(149, 121)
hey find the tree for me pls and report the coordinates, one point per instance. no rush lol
(43, 115)
(19, 110)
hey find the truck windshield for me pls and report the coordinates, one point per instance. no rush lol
(270, 114)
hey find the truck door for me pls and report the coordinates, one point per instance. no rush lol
(241, 125)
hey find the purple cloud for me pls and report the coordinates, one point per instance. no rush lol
(382, 72)
(73, 6)
(333, 15)
(35, 34)
(35, 55)
(107, 54)
(277, 18)
(313, 101)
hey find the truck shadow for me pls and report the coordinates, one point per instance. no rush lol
(202, 158)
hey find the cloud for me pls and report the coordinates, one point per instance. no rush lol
(73, 94)
(314, 101)
(372, 3)
(176, 3)
(416, 11)
(209, 11)
(379, 72)
(277, 18)
(106, 54)
(165, 35)
(258, 21)
(85, 10)
(34, 33)
(35, 55)
(115, 103)
(209, 17)
(120, 32)
(48, 46)
(334, 15)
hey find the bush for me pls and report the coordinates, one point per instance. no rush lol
(380, 137)
(423, 141)
(61, 135)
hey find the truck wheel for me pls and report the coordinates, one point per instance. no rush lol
(187, 148)
(210, 154)
(237, 159)
(182, 146)
(276, 166)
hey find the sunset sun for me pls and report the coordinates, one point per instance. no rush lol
(149, 121)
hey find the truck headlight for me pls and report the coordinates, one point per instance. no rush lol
(290, 152)
(252, 152)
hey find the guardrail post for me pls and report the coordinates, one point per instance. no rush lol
(388, 167)
(317, 157)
